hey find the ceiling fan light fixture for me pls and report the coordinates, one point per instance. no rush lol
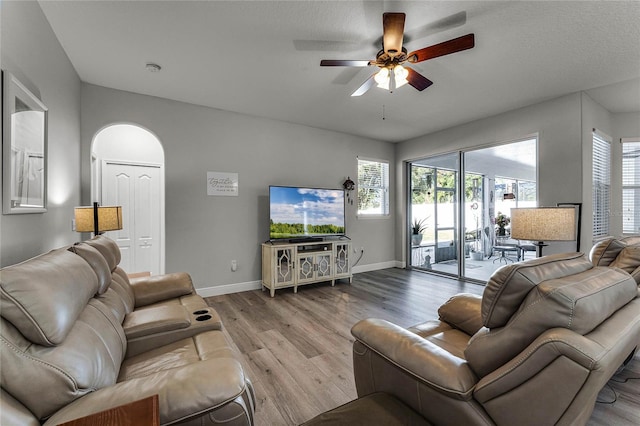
(382, 78)
(400, 73)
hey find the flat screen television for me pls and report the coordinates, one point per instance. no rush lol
(298, 213)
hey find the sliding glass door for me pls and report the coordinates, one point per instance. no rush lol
(454, 200)
(433, 213)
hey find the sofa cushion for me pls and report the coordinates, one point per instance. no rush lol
(628, 260)
(44, 296)
(509, 285)
(605, 251)
(108, 248)
(578, 302)
(156, 288)
(97, 262)
(46, 379)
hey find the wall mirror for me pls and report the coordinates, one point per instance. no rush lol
(24, 149)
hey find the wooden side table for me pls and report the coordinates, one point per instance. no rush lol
(144, 412)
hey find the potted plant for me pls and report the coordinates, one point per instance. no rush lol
(501, 221)
(417, 228)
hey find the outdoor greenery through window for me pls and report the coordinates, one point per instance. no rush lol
(373, 187)
(601, 192)
(630, 185)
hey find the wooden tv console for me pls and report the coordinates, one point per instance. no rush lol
(291, 264)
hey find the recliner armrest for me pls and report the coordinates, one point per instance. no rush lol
(418, 356)
(463, 311)
(153, 320)
(156, 288)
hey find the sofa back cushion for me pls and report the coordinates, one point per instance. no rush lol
(579, 302)
(58, 342)
(509, 285)
(108, 248)
(42, 297)
(606, 251)
(629, 260)
(98, 263)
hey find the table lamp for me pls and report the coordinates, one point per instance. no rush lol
(98, 219)
(543, 224)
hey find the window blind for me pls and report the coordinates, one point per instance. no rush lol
(630, 186)
(373, 187)
(601, 195)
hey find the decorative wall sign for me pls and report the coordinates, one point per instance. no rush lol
(221, 183)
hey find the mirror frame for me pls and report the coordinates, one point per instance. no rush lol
(12, 89)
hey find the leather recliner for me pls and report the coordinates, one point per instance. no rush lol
(68, 321)
(535, 349)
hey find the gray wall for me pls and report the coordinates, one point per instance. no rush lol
(205, 233)
(30, 50)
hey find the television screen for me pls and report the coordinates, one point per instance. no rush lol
(305, 212)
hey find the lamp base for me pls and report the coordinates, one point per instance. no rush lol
(540, 244)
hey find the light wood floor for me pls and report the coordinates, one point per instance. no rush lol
(296, 348)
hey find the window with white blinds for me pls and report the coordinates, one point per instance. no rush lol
(373, 187)
(630, 185)
(601, 195)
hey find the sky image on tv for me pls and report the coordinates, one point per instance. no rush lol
(296, 212)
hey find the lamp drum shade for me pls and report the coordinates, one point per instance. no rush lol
(543, 224)
(109, 219)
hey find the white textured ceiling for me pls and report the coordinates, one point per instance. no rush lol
(262, 57)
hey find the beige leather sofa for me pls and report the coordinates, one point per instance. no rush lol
(79, 337)
(535, 349)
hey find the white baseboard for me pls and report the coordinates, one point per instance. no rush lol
(256, 285)
(376, 266)
(229, 288)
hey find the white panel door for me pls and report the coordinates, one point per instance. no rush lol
(137, 189)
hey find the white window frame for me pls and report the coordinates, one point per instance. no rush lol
(382, 187)
(630, 186)
(601, 184)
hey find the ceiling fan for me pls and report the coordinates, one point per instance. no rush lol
(393, 55)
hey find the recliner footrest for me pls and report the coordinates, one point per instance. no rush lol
(374, 409)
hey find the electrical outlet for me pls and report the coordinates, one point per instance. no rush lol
(361, 249)
(73, 224)
(234, 265)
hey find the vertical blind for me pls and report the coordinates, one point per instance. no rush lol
(630, 186)
(601, 195)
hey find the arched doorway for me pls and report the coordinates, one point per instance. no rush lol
(127, 169)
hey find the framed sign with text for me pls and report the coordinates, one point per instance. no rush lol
(222, 183)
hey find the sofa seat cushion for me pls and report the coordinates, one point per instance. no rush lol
(211, 345)
(197, 379)
(374, 409)
(160, 319)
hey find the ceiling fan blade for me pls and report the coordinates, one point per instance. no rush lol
(441, 49)
(393, 31)
(368, 84)
(417, 80)
(343, 63)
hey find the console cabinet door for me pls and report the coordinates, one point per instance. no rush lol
(306, 268)
(343, 261)
(281, 266)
